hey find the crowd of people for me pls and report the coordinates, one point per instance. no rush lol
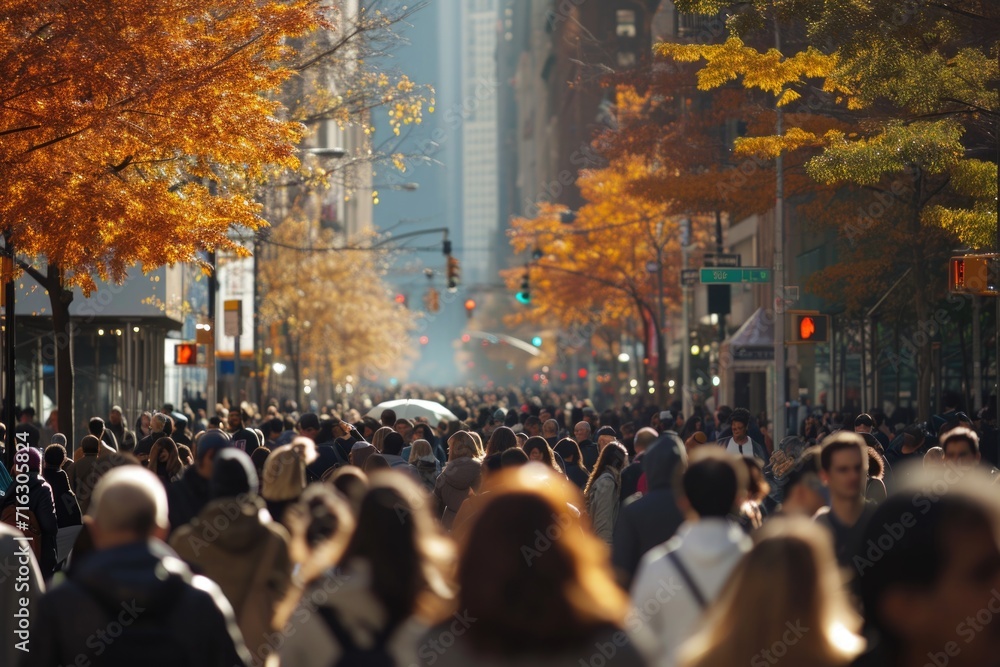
(532, 529)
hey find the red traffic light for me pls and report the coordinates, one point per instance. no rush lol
(424, 340)
(807, 328)
(470, 305)
(582, 373)
(401, 299)
(186, 354)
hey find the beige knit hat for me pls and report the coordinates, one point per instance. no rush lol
(284, 475)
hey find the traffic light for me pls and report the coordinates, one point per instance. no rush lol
(453, 274)
(524, 296)
(973, 275)
(470, 306)
(401, 299)
(432, 300)
(810, 328)
(537, 341)
(186, 354)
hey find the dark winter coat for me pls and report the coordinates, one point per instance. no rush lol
(40, 501)
(127, 582)
(67, 508)
(655, 517)
(187, 497)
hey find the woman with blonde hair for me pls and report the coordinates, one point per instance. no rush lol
(460, 478)
(284, 477)
(428, 467)
(379, 437)
(808, 619)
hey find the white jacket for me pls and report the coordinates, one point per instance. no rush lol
(664, 611)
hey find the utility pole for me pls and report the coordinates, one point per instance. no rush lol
(10, 361)
(687, 407)
(661, 366)
(213, 285)
(778, 418)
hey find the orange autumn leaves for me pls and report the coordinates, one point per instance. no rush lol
(135, 131)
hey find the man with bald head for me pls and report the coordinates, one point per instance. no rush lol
(132, 596)
(588, 450)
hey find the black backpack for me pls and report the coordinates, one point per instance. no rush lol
(351, 654)
(149, 639)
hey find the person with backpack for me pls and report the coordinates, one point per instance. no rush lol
(678, 580)
(132, 601)
(364, 612)
(39, 521)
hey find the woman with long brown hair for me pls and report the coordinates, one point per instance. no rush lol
(604, 488)
(537, 449)
(165, 461)
(460, 478)
(537, 584)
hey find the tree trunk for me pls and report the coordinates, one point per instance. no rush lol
(922, 334)
(62, 331)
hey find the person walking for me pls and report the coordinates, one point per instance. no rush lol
(678, 580)
(603, 490)
(460, 478)
(132, 581)
(807, 620)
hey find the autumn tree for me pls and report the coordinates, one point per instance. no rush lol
(133, 134)
(917, 91)
(593, 273)
(331, 304)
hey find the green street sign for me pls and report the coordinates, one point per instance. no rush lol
(727, 276)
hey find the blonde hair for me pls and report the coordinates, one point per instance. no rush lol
(420, 449)
(792, 564)
(379, 437)
(464, 444)
(284, 474)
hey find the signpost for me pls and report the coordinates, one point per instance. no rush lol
(730, 276)
(722, 259)
(233, 326)
(689, 277)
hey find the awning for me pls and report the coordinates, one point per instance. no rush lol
(754, 341)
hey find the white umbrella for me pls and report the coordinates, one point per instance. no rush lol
(411, 408)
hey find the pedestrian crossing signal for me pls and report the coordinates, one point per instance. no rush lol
(810, 328)
(973, 275)
(186, 354)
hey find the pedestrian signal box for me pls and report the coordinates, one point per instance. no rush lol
(809, 328)
(972, 274)
(186, 354)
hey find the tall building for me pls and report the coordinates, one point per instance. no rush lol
(480, 159)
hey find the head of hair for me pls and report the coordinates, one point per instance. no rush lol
(502, 439)
(964, 434)
(376, 462)
(90, 444)
(550, 426)
(808, 464)
(259, 457)
(644, 437)
(569, 450)
(757, 486)
(542, 445)
(380, 436)
(388, 417)
(532, 421)
(545, 601)
(403, 421)
(392, 444)
(352, 483)
(741, 415)
(96, 426)
(284, 476)
(612, 459)
(420, 449)
(423, 431)
(129, 499)
(398, 540)
(924, 549)
(158, 423)
(54, 456)
(713, 481)
(792, 558)
(463, 444)
(839, 442)
(511, 458)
